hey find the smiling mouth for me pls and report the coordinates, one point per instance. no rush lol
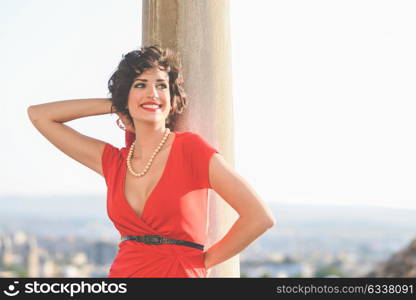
(151, 107)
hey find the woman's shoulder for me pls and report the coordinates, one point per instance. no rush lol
(187, 135)
(182, 133)
(112, 151)
(193, 140)
(111, 159)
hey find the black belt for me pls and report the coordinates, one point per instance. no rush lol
(158, 239)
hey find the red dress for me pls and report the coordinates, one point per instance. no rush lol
(176, 208)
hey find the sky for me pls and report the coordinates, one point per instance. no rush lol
(324, 95)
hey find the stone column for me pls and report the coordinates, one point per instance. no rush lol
(200, 32)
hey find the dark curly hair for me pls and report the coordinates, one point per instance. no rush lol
(135, 63)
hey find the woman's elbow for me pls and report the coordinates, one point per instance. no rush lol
(265, 221)
(265, 224)
(32, 113)
(270, 222)
(268, 219)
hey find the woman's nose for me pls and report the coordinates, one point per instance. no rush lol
(153, 92)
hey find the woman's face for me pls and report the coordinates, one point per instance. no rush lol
(151, 86)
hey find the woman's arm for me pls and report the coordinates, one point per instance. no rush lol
(48, 118)
(254, 217)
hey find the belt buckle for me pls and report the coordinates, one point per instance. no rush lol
(152, 239)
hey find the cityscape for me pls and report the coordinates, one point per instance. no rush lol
(307, 241)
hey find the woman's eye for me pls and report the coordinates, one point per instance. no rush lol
(163, 86)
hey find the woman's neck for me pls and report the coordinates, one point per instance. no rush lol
(147, 140)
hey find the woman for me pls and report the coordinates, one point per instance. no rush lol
(157, 185)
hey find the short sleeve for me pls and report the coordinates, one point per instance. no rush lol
(109, 160)
(201, 153)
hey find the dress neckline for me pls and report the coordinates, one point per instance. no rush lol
(157, 185)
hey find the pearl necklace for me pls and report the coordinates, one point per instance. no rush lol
(146, 168)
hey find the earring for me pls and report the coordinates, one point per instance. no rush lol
(119, 124)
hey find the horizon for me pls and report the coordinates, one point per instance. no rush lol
(275, 204)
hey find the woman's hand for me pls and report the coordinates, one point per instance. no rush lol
(128, 126)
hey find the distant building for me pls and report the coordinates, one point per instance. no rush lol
(48, 268)
(6, 251)
(20, 238)
(79, 258)
(33, 266)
